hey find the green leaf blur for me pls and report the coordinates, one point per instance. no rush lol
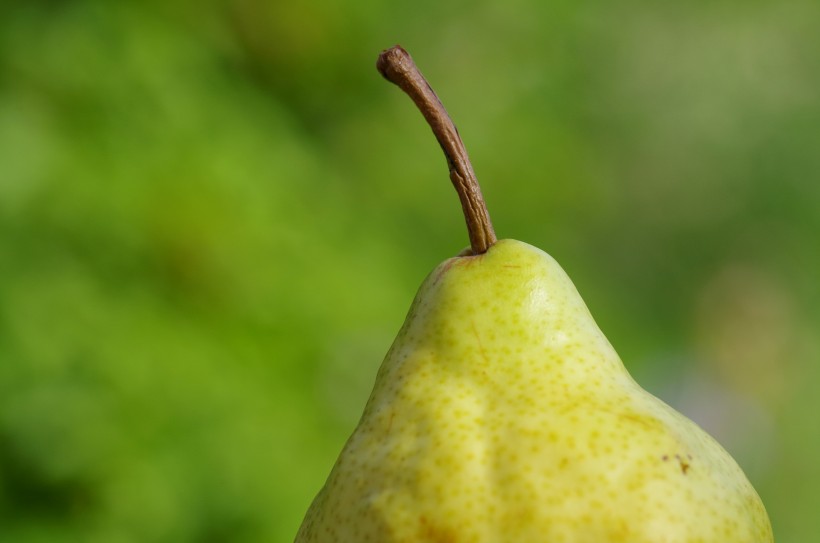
(214, 216)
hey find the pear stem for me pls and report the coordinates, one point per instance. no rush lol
(396, 65)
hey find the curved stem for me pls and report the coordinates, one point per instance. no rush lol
(396, 65)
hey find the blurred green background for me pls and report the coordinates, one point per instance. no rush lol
(214, 216)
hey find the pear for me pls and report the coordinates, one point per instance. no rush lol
(502, 414)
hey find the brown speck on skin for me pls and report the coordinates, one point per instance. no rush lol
(684, 465)
(434, 534)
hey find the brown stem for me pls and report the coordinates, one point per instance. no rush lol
(396, 65)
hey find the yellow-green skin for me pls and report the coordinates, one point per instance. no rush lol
(502, 414)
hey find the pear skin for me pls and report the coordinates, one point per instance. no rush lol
(502, 414)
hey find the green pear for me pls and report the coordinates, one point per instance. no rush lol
(502, 414)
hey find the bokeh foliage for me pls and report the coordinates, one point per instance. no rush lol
(214, 215)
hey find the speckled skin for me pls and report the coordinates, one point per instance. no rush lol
(502, 414)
